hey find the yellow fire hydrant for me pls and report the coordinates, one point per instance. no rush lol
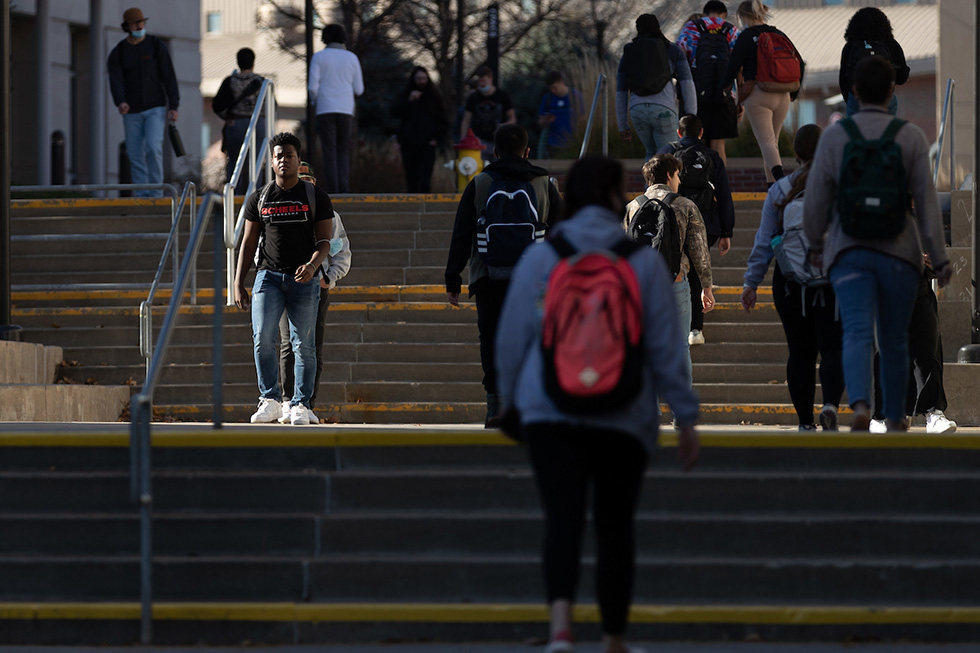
(469, 161)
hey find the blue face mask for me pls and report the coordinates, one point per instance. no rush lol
(138, 33)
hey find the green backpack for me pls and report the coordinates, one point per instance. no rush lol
(872, 194)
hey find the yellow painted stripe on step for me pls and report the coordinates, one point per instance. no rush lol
(208, 309)
(762, 291)
(489, 613)
(748, 197)
(208, 293)
(85, 202)
(396, 199)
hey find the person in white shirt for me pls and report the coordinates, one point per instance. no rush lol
(335, 78)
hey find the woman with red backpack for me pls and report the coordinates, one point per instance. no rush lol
(770, 70)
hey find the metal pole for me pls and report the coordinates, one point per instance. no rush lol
(605, 116)
(97, 122)
(4, 168)
(460, 58)
(975, 320)
(217, 358)
(310, 100)
(493, 41)
(146, 531)
(42, 22)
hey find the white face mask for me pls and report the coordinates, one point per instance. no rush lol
(486, 89)
(138, 33)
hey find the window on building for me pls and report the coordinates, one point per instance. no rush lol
(213, 22)
(833, 2)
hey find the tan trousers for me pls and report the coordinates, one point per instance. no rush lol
(766, 113)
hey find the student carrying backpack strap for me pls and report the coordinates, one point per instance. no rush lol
(264, 194)
(790, 246)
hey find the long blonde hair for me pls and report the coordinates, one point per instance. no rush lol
(753, 9)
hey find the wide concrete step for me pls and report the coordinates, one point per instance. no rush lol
(503, 578)
(244, 390)
(310, 535)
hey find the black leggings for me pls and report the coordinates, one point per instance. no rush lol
(812, 327)
(565, 460)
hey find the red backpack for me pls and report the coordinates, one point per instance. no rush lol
(778, 64)
(592, 330)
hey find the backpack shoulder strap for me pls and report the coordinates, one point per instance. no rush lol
(676, 145)
(311, 199)
(852, 129)
(700, 26)
(726, 28)
(892, 130)
(482, 186)
(669, 198)
(562, 246)
(264, 193)
(641, 201)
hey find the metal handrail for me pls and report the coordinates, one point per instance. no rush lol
(233, 226)
(141, 405)
(146, 307)
(947, 111)
(603, 85)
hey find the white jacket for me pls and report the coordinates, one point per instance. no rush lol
(336, 267)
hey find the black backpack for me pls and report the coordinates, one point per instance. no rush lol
(711, 62)
(863, 49)
(872, 193)
(655, 224)
(508, 221)
(645, 68)
(696, 177)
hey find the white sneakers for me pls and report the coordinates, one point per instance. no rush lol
(938, 423)
(269, 410)
(696, 337)
(828, 417)
(298, 416)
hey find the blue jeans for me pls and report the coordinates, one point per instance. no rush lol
(682, 295)
(144, 146)
(875, 289)
(655, 125)
(273, 293)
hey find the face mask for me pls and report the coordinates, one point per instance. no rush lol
(138, 33)
(485, 90)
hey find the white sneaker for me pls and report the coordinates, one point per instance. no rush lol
(937, 423)
(298, 416)
(878, 426)
(696, 337)
(285, 413)
(312, 417)
(269, 411)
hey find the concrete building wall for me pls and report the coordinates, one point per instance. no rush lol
(958, 31)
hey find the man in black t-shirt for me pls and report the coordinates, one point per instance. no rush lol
(486, 109)
(289, 236)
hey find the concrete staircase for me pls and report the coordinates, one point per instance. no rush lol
(396, 352)
(339, 534)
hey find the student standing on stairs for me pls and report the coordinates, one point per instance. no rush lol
(662, 174)
(333, 269)
(872, 243)
(809, 314)
(606, 449)
(292, 242)
(704, 181)
(511, 180)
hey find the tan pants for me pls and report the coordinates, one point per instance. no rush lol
(766, 113)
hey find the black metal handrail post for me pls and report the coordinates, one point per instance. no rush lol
(601, 88)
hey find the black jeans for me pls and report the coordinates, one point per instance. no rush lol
(926, 390)
(566, 460)
(418, 161)
(286, 356)
(489, 302)
(335, 138)
(812, 327)
(697, 309)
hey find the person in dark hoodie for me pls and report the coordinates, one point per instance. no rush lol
(716, 206)
(511, 168)
(423, 126)
(869, 32)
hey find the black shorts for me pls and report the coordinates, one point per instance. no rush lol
(719, 118)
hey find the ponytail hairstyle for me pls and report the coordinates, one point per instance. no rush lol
(753, 10)
(805, 146)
